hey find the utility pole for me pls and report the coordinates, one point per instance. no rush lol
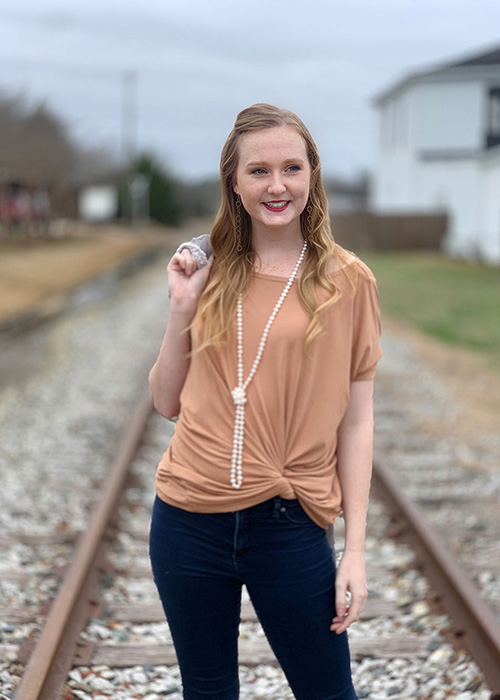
(129, 133)
(129, 116)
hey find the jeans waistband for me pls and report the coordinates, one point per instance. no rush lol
(271, 504)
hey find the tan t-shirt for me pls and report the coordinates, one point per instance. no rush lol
(295, 403)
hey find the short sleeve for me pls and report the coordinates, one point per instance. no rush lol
(366, 349)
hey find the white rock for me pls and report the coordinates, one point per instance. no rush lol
(108, 674)
(139, 677)
(441, 656)
(81, 695)
(98, 683)
(420, 609)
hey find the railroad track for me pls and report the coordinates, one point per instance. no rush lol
(99, 602)
(446, 456)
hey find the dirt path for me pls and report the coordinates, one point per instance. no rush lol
(31, 272)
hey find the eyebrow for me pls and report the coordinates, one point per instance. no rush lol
(288, 160)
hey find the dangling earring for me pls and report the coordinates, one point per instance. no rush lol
(309, 221)
(239, 247)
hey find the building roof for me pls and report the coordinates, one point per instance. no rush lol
(490, 57)
(482, 59)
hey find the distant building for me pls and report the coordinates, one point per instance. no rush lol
(98, 202)
(439, 150)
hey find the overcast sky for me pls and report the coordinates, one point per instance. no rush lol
(199, 62)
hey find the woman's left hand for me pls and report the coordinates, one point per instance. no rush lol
(350, 577)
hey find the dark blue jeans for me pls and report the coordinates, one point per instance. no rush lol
(200, 562)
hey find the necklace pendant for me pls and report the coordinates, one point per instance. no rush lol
(239, 396)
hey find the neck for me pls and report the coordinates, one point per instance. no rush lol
(276, 243)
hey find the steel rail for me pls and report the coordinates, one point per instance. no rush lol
(46, 672)
(473, 618)
(48, 665)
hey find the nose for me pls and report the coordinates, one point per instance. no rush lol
(276, 185)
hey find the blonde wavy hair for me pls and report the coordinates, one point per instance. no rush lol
(231, 271)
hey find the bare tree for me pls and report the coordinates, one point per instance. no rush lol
(41, 166)
(35, 147)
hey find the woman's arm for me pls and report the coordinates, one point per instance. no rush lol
(354, 468)
(186, 283)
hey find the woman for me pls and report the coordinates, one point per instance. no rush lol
(268, 361)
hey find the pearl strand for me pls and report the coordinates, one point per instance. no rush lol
(239, 392)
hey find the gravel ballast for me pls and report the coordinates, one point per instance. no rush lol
(66, 392)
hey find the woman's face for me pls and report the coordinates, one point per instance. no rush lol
(273, 175)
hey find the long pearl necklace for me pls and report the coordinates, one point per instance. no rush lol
(239, 392)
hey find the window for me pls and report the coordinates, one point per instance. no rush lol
(493, 127)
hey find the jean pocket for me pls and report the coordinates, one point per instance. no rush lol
(294, 513)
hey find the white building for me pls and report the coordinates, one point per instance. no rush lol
(439, 149)
(98, 202)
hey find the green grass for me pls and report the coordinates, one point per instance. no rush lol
(452, 300)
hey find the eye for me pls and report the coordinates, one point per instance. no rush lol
(294, 167)
(258, 171)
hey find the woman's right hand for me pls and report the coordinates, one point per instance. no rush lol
(186, 281)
